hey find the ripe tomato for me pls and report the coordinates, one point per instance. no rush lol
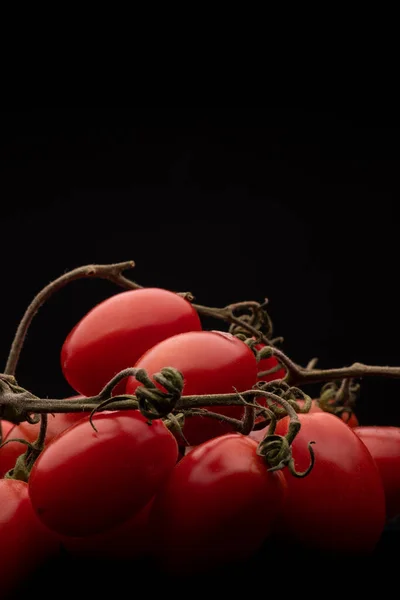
(384, 446)
(116, 332)
(86, 482)
(6, 426)
(266, 364)
(25, 542)
(212, 362)
(340, 506)
(217, 506)
(129, 540)
(55, 424)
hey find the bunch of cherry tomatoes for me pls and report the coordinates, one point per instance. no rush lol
(122, 487)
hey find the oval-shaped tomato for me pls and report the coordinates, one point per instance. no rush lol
(25, 542)
(116, 332)
(212, 362)
(55, 424)
(86, 482)
(339, 506)
(217, 506)
(383, 442)
(129, 540)
(268, 364)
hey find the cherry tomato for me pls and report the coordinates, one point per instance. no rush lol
(55, 424)
(129, 540)
(116, 332)
(5, 428)
(266, 364)
(86, 482)
(25, 542)
(384, 446)
(212, 362)
(218, 506)
(339, 506)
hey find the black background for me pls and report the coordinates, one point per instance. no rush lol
(229, 203)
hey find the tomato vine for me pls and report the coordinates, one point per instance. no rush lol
(249, 321)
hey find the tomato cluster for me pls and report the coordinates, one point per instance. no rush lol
(121, 485)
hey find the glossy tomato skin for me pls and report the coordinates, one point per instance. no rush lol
(55, 424)
(25, 542)
(86, 482)
(383, 442)
(266, 364)
(126, 541)
(340, 506)
(116, 332)
(212, 362)
(218, 506)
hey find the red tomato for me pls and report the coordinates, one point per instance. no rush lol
(340, 506)
(55, 424)
(267, 364)
(116, 332)
(86, 482)
(351, 420)
(25, 542)
(128, 540)
(212, 362)
(384, 446)
(5, 428)
(218, 506)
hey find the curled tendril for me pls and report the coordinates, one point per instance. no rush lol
(153, 402)
(103, 404)
(339, 397)
(280, 388)
(32, 419)
(277, 452)
(256, 316)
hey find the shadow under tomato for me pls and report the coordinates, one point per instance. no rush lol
(274, 569)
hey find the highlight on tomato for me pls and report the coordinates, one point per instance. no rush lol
(383, 443)
(88, 481)
(115, 333)
(217, 506)
(211, 362)
(339, 506)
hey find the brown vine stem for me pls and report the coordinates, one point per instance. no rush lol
(111, 272)
(296, 375)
